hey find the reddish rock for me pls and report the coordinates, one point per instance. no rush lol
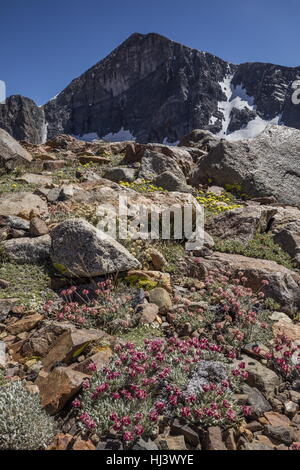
(52, 165)
(93, 159)
(277, 419)
(25, 324)
(57, 387)
(38, 227)
(214, 439)
(61, 442)
(80, 444)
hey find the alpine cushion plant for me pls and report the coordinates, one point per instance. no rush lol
(99, 306)
(24, 425)
(140, 385)
(233, 315)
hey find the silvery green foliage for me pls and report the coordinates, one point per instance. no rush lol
(23, 423)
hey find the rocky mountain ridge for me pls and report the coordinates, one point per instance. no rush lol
(152, 89)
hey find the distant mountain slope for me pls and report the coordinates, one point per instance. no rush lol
(152, 89)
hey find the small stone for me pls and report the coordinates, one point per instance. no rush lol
(294, 396)
(259, 405)
(280, 433)
(161, 298)
(190, 435)
(157, 259)
(38, 227)
(259, 376)
(290, 408)
(171, 443)
(93, 159)
(52, 165)
(148, 313)
(276, 419)
(265, 440)
(27, 323)
(214, 439)
(61, 442)
(254, 426)
(230, 439)
(80, 444)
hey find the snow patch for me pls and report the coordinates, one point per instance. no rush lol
(237, 98)
(166, 142)
(89, 137)
(253, 129)
(120, 136)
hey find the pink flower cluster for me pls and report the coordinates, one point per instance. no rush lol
(144, 380)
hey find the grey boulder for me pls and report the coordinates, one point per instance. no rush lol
(28, 250)
(80, 249)
(12, 154)
(263, 166)
(167, 180)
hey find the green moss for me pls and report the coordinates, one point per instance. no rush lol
(261, 246)
(139, 334)
(29, 283)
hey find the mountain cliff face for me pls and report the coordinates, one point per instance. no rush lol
(155, 90)
(150, 86)
(152, 89)
(23, 119)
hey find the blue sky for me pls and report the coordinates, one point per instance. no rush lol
(44, 44)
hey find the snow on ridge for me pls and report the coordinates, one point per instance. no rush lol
(237, 98)
(253, 129)
(120, 136)
(166, 142)
(89, 137)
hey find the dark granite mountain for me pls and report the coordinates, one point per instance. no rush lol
(156, 90)
(23, 119)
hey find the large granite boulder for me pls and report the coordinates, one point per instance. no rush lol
(267, 165)
(154, 163)
(22, 202)
(28, 250)
(79, 249)
(240, 224)
(12, 154)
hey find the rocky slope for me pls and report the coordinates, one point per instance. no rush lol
(210, 338)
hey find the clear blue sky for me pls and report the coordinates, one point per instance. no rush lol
(44, 44)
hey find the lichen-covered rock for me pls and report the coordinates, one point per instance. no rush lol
(12, 154)
(17, 203)
(266, 165)
(167, 180)
(155, 163)
(79, 249)
(240, 224)
(28, 250)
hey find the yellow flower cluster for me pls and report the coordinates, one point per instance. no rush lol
(214, 203)
(141, 186)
